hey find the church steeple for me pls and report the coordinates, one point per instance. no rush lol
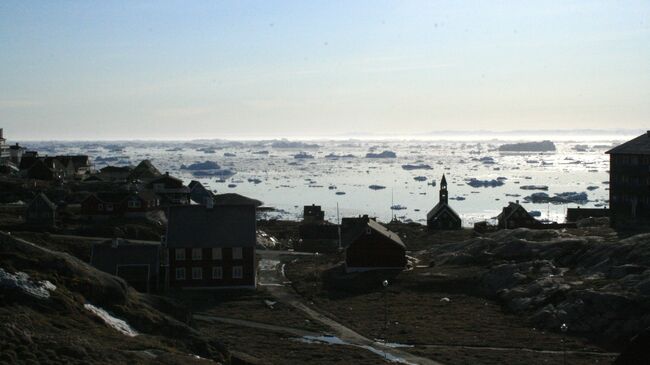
(444, 197)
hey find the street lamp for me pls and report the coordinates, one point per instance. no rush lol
(385, 285)
(564, 328)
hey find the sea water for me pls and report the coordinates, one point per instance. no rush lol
(288, 175)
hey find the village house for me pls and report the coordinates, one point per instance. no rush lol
(143, 172)
(105, 205)
(575, 214)
(516, 216)
(313, 214)
(4, 149)
(199, 194)
(371, 246)
(212, 246)
(44, 169)
(41, 212)
(442, 217)
(137, 262)
(170, 190)
(315, 234)
(629, 178)
(16, 153)
(115, 173)
(75, 166)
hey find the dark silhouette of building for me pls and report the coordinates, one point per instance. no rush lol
(629, 181)
(516, 216)
(575, 214)
(41, 212)
(138, 263)
(371, 246)
(213, 245)
(313, 214)
(199, 194)
(442, 217)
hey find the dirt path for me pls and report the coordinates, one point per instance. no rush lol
(272, 278)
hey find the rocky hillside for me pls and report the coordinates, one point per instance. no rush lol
(55, 308)
(597, 284)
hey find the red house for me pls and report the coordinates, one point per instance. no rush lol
(126, 204)
(371, 246)
(213, 246)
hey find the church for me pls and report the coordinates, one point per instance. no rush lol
(442, 217)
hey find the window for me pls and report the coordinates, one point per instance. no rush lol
(180, 273)
(100, 206)
(237, 272)
(158, 186)
(134, 204)
(236, 253)
(197, 273)
(109, 207)
(217, 272)
(180, 254)
(197, 254)
(216, 253)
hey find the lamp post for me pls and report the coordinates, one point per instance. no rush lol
(564, 328)
(385, 285)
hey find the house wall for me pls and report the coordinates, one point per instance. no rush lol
(39, 213)
(247, 262)
(629, 192)
(374, 250)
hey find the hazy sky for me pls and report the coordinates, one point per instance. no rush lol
(194, 69)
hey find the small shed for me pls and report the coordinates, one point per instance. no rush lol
(137, 262)
(374, 247)
(41, 211)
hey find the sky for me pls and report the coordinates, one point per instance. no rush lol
(237, 69)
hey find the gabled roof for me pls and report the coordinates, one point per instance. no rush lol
(235, 199)
(385, 232)
(439, 208)
(511, 209)
(359, 228)
(77, 160)
(42, 197)
(165, 179)
(123, 169)
(220, 226)
(637, 146)
(144, 170)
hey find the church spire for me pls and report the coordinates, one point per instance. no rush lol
(444, 197)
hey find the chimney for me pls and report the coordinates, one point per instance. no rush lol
(1, 135)
(647, 133)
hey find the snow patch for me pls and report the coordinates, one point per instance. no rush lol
(118, 324)
(22, 281)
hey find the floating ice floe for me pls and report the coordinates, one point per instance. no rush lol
(21, 281)
(303, 155)
(561, 198)
(417, 167)
(116, 323)
(475, 183)
(534, 187)
(384, 154)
